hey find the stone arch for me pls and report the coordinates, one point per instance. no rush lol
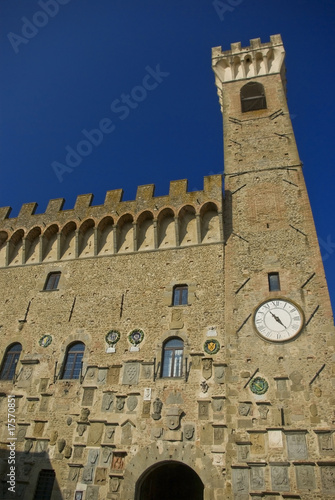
(260, 64)
(145, 231)
(15, 253)
(270, 58)
(3, 244)
(166, 228)
(169, 479)
(68, 241)
(106, 236)
(238, 71)
(210, 224)
(125, 234)
(86, 238)
(49, 243)
(158, 454)
(248, 66)
(32, 245)
(187, 226)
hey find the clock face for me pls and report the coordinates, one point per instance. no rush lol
(278, 320)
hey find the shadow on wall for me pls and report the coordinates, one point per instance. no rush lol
(26, 475)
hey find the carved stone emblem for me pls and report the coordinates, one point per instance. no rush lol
(61, 444)
(93, 457)
(117, 461)
(207, 368)
(189, 431)
(204, 386)
(244, 409)
(106, 456)
(132, 403)
(88, 474)
(67, 451)
(130, 374)
(219, 374)
(81, 429)
(279, 476)
(157, 406)
(263, 411)
(173, 416)
(84, 414)
(120, 403)
(217, 404)
(107, 401)
(114, 484)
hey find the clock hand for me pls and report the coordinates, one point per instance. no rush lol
(278, 319)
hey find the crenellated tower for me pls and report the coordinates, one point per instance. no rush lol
(279, 331)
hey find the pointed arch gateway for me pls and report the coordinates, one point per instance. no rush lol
(169, 480)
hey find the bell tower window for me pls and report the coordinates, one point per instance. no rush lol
(252, 97)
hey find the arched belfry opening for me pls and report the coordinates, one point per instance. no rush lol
(169, 480)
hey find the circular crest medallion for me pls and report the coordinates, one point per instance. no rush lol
(45, 341)
(136, 336)
(211, 346)
(112, 337)
(259, 385)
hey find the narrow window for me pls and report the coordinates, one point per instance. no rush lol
(72, 362)
(274, 285)
(252, 97)
(172, 365)
(44, 485)
(10, 361)
(52, 281)
(180, 295)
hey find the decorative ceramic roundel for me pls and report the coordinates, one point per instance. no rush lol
(278, 320)
(45, 341)
(211, 346)
(259, 385)
(136, 336)
(112, 337)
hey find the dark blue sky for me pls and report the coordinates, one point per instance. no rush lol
(63, 76)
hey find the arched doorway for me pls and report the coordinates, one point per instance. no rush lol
(169, 481)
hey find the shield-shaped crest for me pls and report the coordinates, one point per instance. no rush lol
(131, 372)
(173, 418)
(207, 368)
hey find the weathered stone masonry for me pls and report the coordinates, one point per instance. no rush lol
(237, 416)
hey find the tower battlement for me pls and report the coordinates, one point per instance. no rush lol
(240, 63)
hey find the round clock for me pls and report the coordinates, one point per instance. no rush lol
(278, 320)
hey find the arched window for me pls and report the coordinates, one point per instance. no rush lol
(72, 362)
(10, 361)
(252, 97)
(172, 363)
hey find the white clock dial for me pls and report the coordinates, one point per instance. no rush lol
(278, 320)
